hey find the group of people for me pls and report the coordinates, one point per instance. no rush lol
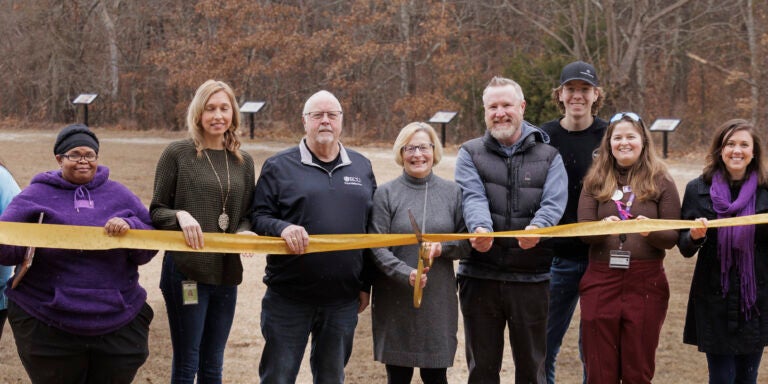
(81, 315)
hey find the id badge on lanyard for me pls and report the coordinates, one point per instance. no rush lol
(189, 292)
(619, 258)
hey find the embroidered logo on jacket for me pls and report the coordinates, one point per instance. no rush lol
(353, 180)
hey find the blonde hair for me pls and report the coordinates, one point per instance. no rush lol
(498, 81)
(195, 113)
(407, 133)
(602, 178)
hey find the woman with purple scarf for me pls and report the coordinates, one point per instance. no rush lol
(728, 303)
(79, 316)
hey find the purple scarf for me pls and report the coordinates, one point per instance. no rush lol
(736, 245)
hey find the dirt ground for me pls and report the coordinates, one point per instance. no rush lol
(132, 156)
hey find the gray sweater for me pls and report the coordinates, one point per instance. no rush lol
(403, 335)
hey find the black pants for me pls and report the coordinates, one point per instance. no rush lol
(3, 314)
(51, 355)
(491, 306)
(403, 375)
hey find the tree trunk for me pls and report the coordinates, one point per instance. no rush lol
(754, 61)
(113, 62)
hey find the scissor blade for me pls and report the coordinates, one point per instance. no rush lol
(415, 226)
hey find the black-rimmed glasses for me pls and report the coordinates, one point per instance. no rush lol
(75, 157)
(423, 148)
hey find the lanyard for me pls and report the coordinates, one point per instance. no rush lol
(625, 208)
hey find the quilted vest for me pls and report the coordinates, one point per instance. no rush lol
(514, 186)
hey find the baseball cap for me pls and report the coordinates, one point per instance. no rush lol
(579, 70)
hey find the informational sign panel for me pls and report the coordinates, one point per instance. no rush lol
(85, 98)
(664, 125)
(251, 106)
(442, 117)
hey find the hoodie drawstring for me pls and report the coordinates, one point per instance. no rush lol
(82, 198)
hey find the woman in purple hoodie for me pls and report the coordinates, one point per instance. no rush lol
(79, 316)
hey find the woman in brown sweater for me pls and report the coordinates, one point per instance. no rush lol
(624, 293)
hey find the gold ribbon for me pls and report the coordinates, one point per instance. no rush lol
(93, 238)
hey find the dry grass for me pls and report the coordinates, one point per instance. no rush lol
(131, 157)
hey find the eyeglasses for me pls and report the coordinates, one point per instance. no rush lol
(332, 115)
(75, 157)
(423, 148)
(621, 115)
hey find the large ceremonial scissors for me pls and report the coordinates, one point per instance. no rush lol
(423, 259)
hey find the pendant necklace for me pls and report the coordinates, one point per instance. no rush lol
(223, 218)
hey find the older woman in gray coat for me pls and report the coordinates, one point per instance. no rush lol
(405, 337)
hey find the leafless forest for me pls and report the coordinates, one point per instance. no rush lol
(389, 62)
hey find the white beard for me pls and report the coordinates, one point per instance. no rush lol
(503, 134)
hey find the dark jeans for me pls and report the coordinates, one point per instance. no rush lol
(286, 325)
(733, 369)
(563, 298)
(199, 332)
(403, 375)
(51, 355)
(488, 307)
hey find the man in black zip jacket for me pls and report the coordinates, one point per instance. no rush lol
(317, 187)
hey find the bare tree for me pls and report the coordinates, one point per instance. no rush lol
(753, 32)
(389, 62)
(106, 10)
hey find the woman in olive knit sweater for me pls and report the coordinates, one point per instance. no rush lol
(203, 184)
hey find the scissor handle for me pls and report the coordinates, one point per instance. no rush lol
(417, 291)
(423, 258)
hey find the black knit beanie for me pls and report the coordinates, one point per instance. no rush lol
(73, 136)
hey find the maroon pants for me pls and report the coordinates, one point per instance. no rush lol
(622, 311)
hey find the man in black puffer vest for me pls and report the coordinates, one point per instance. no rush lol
(511, 179)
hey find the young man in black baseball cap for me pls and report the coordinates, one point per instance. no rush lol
(576, 135)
